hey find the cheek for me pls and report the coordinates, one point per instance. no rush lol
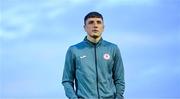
(102, 29)
(88, 29)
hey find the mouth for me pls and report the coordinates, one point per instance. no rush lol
(95, 31)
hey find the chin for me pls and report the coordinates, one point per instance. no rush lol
(95, 36)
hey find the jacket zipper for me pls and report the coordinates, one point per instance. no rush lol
(96, 71)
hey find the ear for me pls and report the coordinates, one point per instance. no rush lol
(84, 27)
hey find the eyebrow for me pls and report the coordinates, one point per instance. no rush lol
(92, 21)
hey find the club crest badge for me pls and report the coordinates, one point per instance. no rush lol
(106, 56)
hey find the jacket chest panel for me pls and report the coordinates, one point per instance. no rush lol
(85, 60)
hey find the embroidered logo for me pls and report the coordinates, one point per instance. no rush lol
(82, 56)
(106, 56)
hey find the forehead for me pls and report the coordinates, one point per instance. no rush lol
(94, 19)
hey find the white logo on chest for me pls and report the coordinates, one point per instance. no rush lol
(83, 56)
(106, 56)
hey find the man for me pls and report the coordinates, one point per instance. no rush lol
(94, 65)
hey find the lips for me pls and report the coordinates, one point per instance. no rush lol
(95, 30)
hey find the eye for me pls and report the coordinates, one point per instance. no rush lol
(90, 22)
(99, 22)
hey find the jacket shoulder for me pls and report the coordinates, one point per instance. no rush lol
(110, 44)
(77, 46)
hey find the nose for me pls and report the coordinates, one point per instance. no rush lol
(95, 25)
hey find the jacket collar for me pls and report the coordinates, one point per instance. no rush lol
(91, 43)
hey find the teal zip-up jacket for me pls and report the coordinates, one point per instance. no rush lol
(96, 70)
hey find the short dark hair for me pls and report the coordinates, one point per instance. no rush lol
(92, 15)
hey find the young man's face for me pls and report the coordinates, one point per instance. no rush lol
(94, 27)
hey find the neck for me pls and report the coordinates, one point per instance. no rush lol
(94, 40)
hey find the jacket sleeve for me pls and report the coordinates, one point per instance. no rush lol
(118, 74)
(69, 75)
